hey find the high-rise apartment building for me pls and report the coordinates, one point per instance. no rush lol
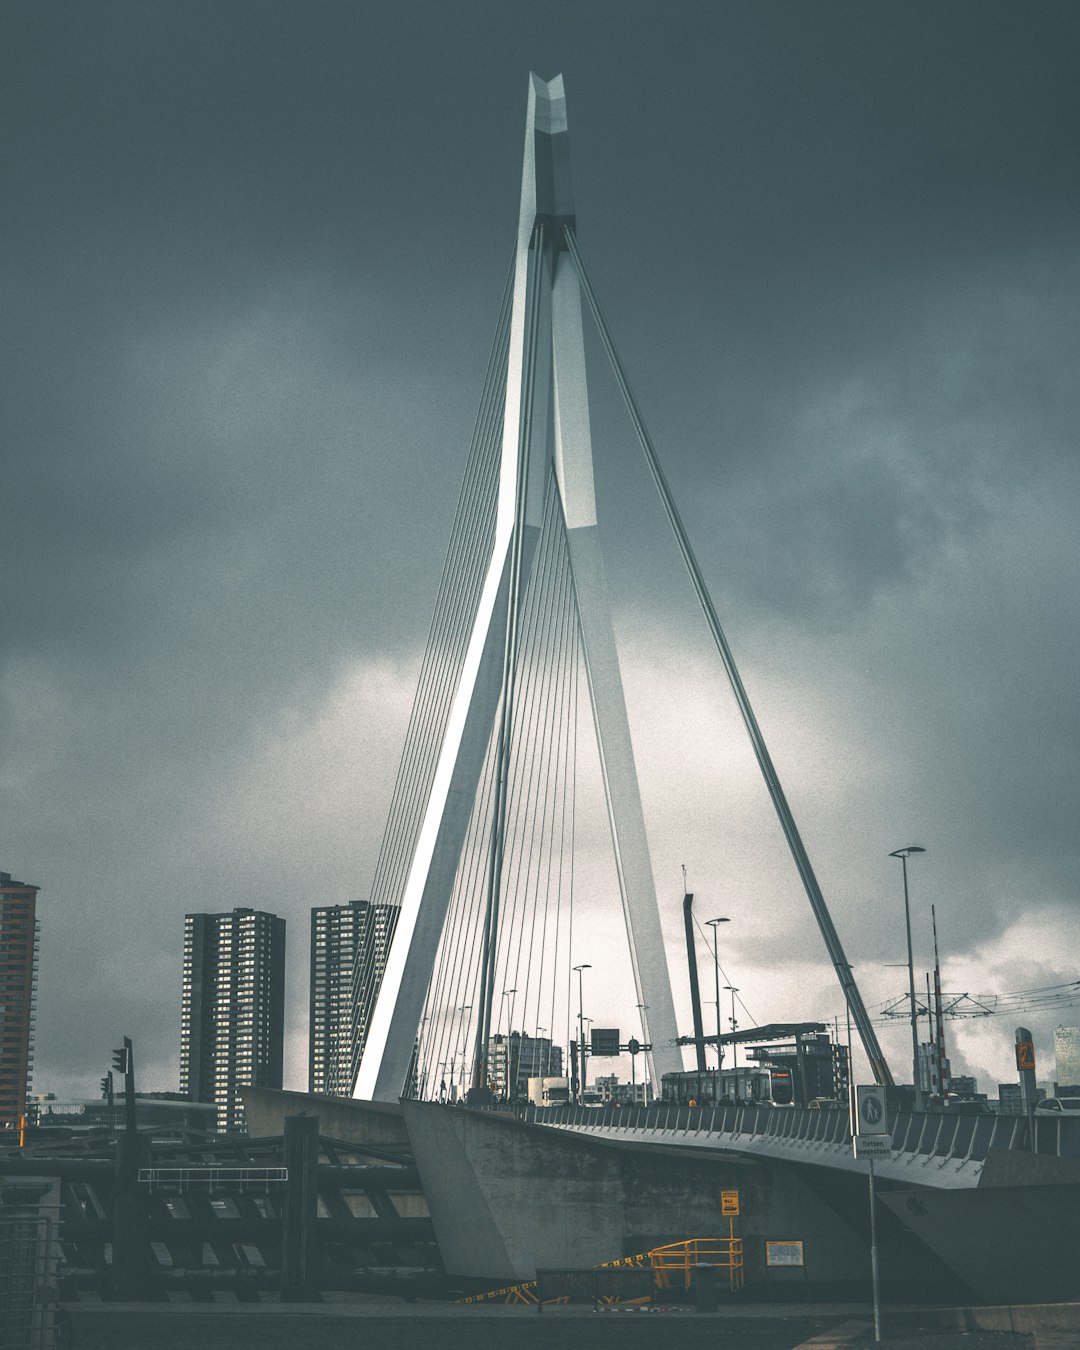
(1067, 1055)
(1010, 1101)
(514, 1059)
(232, 1023)
(18, 977)
(348, 943)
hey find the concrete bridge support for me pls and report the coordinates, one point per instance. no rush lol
(507, 1198)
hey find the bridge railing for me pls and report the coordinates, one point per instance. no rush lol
(940, 1134)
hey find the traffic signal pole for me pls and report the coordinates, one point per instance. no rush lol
(124, 1062)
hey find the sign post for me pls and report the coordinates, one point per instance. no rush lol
(1025, 1068)
(872, 1141)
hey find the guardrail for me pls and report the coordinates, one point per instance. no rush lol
(942, 1134)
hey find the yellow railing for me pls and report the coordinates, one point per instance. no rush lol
(668, 1263)
(683, 1258)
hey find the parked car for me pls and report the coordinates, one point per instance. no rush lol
(1058, 1106)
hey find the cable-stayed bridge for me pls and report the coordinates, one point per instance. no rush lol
(521, 671)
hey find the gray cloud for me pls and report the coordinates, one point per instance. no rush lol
(254, 260)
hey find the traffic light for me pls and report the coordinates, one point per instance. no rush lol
(107, 1085)
(119, 1060)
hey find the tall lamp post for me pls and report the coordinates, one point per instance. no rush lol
(511, 1074)
(581, 1027)
(714, 924)
(642, 1008)
(734, 1047)
(464, 1008)
(904, 854)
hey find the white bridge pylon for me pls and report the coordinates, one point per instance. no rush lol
(545, 429)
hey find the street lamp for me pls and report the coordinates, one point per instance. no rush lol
(904, 854)
(464, 1008)
(506, 994)
(734, 1048)
(510, 1075)
(581, 1026)
(714, 924)
(642, 1008)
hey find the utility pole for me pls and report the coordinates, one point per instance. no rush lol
(734, 1046)
(130, 1227)
(714, 924)
(695, 991)
(903, 854)
(581, 1028)
(124, 1062)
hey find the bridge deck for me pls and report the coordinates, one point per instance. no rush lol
(942, 1149)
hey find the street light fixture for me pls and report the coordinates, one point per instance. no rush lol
(464, 1008)
(642, 1008)
(734, 1048)
(581, 1027)
(714, 924)
(904, 854)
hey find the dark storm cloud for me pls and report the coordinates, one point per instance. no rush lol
(254, 257)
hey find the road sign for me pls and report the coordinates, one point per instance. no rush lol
(872, 1146)
(1025, 1055)
(870, 1109)
(605, 1042)
(729, 1202)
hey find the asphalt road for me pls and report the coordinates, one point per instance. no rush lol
(289, 1330)
(397, 1326)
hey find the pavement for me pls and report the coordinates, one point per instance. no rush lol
(371, 1323)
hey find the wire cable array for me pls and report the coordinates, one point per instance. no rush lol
(530, 966)
(444, 654)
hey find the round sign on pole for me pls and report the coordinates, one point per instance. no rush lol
(870, 1109)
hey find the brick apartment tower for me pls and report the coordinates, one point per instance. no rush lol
(18, 978)
(343, 937)
(232, 1023)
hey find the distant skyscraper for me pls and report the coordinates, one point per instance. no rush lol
(347, 942)
(232, 1026)
(1067, 1055)
(18, 977)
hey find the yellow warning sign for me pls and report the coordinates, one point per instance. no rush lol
(729, 1202)
(1025, 1055)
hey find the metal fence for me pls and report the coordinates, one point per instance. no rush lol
(29, 1252)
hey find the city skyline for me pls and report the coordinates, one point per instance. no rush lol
(249, 332)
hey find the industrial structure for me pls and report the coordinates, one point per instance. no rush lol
(232, 1020)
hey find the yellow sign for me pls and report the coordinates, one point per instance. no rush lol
(1025, 1055)
(729, 1202)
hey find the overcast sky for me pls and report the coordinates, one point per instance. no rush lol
(254, 254)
